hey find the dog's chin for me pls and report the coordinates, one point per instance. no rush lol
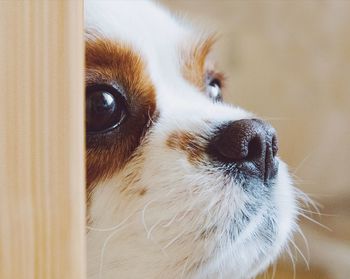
(223, 228)
(258, 234)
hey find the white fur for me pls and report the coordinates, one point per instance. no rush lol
(158, 235)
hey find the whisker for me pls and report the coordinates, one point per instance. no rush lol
(152, 228)
(174, 239)
(305, 241)
(307, 201)
(292, 259)
(318, 213)
(266, 273)
(315, 222)
(274, 269)
(111, 228)
(301, 254)
(143, 213)
(103, 250)
(171, 220)
(303, 161)
(149, 117)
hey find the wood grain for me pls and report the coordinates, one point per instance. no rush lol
(42, 212)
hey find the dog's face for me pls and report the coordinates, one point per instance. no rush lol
(180, 184)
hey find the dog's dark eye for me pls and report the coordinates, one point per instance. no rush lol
(105, 108)
(214, 90)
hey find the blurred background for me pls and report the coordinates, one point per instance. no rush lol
(289, 62)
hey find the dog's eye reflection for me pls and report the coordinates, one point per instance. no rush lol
(105, 108)
(214, 90)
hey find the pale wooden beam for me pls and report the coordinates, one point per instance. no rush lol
(42, 196)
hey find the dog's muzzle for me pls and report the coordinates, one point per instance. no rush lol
(250, 145)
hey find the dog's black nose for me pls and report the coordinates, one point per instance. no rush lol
(249, 143)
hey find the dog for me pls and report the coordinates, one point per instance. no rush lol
(179, 183)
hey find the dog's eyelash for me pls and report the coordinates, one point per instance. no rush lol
(214, 85)
(218, 76)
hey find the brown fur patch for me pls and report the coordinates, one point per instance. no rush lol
(110, 62)
(194, 62)
(143, 191)
(188, 142)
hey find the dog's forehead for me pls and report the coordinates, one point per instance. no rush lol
(164, 42)
(144, 25)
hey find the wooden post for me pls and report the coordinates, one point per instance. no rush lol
(42, 191)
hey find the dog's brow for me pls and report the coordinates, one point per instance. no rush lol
(193, 60)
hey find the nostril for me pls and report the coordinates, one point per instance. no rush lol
(274, 144)
(255, 148)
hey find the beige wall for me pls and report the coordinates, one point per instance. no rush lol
(289, 61)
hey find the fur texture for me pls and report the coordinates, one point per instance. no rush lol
(165, 210)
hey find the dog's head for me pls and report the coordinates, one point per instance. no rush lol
(180, 184)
